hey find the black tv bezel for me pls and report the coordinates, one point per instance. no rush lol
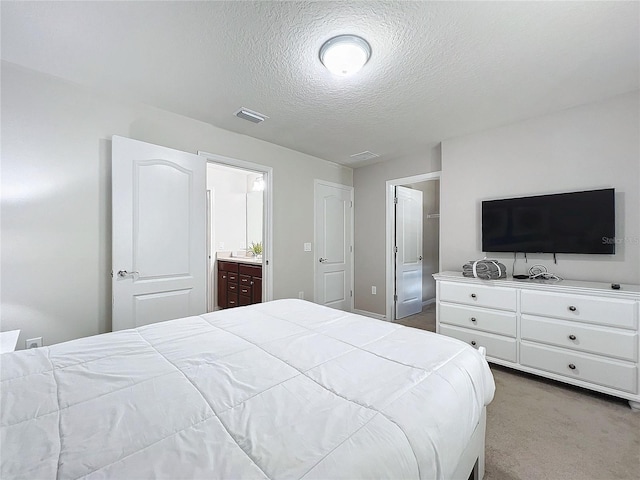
(611, 244)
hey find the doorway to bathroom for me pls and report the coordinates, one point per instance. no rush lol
(238, 232)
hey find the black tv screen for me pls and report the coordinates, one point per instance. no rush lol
(576, 222)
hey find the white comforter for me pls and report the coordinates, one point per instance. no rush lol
(286, 389)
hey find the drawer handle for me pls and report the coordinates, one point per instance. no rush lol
(572, 366)
(473, 319)
(572, 308)
(572, 337)
(473, 342)
(473, 295)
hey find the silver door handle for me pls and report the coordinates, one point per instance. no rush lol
(124, 273)
(420, 257)
(322, 260)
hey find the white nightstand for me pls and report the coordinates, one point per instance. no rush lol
(8, 340)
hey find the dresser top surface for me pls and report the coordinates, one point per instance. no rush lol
(577, 286)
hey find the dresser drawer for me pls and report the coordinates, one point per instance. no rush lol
(244, 290)
(579, 366)
(502, 323)
(232, 287)
(478, 295)
(497, 346)
(617, 313)
(232, 277)
(591, 339)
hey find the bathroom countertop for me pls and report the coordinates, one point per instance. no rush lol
(249, 260)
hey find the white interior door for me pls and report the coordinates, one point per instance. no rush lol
(333, 239)
(408, 252)
(159, 237)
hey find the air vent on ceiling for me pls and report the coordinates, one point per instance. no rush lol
(250, 115)
(362, 156)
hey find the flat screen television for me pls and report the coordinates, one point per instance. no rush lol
(576, 222)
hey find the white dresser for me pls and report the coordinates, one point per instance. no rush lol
(583, 333)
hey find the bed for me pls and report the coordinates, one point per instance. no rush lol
(284, 389)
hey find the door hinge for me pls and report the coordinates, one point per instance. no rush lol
(351, 203)
(395, 200)
(351, 292)
(395, 298)
(351, 248)
(395, 249)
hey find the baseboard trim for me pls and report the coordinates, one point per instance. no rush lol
(377, 316)
(428, 302)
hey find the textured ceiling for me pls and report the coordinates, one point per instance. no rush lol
(438, 69)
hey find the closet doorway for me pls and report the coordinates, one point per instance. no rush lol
(413, 248)
(239, 232)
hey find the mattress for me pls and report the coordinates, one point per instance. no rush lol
(284, 389)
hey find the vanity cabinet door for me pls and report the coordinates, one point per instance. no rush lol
(256, 290)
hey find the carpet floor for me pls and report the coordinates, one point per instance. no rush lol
(542, 429)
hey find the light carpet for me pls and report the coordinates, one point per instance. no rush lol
(542, 429)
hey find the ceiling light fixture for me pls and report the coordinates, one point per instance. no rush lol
(345, 55)
(258, 185)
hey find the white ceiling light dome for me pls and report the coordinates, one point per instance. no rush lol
(345, 55)
(258, 185)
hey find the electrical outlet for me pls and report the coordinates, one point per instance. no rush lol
(33, 342)
(301, 295)
(373, 290)
(307, 247)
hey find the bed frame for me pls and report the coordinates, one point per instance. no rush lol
(471, 464)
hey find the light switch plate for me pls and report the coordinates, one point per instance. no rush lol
(307, 247)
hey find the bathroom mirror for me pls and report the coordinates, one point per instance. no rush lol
(254, 212)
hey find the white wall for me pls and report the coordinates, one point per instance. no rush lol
(370, 223)
(56, 201)
(588, 147)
